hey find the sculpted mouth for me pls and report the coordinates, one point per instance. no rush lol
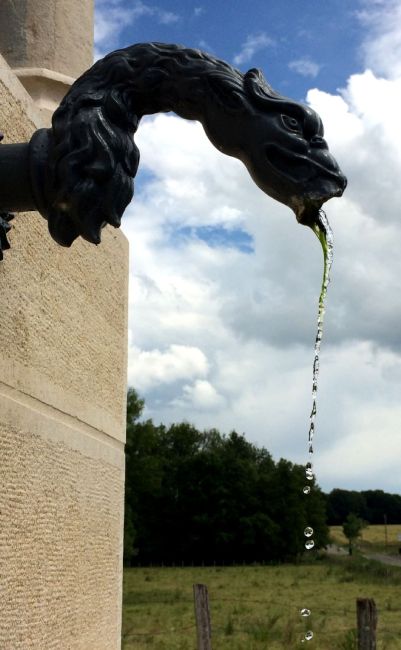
(307, 209)
(317, 182)
(300, 168)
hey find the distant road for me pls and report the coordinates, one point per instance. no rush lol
(393, 560)
(333, 549)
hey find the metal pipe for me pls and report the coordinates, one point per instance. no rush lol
(15, 185)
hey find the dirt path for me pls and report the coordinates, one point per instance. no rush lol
(392, 560)
(333, 549)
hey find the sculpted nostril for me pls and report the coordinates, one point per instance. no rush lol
(318, 141)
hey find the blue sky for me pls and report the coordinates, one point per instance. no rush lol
(292, 42)
(224, 283)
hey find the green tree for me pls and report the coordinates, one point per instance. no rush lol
(381, 503)
(294, 511)
(352, 529)
(202, 496)
(135, 407)
(143, 475)
(341, 502)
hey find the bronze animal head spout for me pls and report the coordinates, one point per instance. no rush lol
(286, 153)
(79, 175)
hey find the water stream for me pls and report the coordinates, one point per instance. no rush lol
(325, 235)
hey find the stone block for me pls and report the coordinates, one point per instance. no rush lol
(63, 330)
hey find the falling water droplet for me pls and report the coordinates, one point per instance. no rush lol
(305, 612)
(323, 231)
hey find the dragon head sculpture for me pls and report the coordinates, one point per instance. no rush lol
(290, 159)
(280, 141)
(82, 169)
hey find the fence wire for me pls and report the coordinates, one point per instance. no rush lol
(292, 610)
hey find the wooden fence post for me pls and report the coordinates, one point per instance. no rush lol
(366, 616)
(202, 616)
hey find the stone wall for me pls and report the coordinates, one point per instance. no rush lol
(63, 328)
(47, 43)
(52, 34)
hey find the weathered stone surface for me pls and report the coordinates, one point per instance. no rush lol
(46, 87)
(63, 328)
(57, 35)
(48, 45)
(60, 526)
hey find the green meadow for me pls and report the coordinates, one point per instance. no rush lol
(255, 607)
(379, 539)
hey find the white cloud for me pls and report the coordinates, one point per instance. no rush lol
(382, 46)
(254, 43)
(370, 128)
(243, 323)
(224, 338)
(165, 17)
(178, 362)
(109, 23)
(362, 457)
(305, 67)
(200, 395)
(112, 17)
(206, 47)
(358, 417)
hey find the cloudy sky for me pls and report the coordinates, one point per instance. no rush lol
(224, 283)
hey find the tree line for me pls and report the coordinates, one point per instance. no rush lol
(372, 506)
(200, 496)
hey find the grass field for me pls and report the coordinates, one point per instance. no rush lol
(255, 607)
(373, 538)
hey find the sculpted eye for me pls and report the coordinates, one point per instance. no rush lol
(291, 124)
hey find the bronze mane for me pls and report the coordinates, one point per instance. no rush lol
(88, 159)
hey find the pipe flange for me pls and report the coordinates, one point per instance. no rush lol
(5, 218)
